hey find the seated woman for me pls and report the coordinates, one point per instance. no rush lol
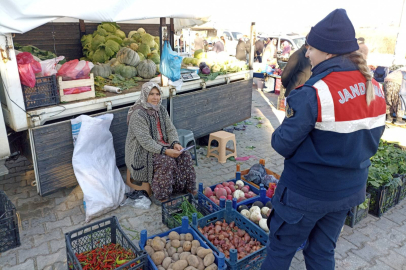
(152, 152)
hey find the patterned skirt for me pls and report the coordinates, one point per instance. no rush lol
(173, 175)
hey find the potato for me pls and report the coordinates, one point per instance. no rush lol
(158, 257)
(170, 266)
(180, 250)
(149, 241)
(175, 257)
(163, 241)
(166, 253)
(173, 236)
(203, 252)
(168, 245)
(182, 236)
(193, 261)
(167, 261)
(187, 246)
(189, 237)
(179, 265)
(171, 251)
(184, 255)
(199, 248)
(160, 267)
(190, 268)
(201, 264)
(181, 242)
(149, 250)
(209, 259)
(157, 244)
(195, 243)
(165, 238)
(212, 266)
(175, 243)
(193, 250)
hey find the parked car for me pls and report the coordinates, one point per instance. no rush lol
(231, 38)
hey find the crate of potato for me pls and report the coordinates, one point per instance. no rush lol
(180, 249)
(209, 197)
(227, 231)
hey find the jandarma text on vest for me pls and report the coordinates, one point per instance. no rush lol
(356, 91)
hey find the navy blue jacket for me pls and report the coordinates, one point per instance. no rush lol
(322, 164)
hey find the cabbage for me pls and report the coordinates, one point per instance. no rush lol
(127, 42)
(148, 40)
(142, 57)
(194, 61)
(134, 46)
(157, 69)
(141, 31)
(114, 46)
(109, 26)
(100, 55)
(156, 46)
(154, 57)
(187, 60)
(100, 32)
(199, 54)
(136, 36)
(156, 39)
(120, 33)
(86, 39)
(115, 38)
(144, 49)
(131, 34)
(96, 41)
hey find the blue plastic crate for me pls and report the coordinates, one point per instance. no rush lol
(252, 261)
(185, 228)
(211, 206)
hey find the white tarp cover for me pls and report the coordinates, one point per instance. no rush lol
(20, 16)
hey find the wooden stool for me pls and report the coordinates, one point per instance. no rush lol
(145, 185)
(222, 138)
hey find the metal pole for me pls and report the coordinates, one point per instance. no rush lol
(172, 33)
(252, 42)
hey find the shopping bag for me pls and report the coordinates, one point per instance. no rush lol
(75, 70)
(49, 66)
(27, 68)
(170, 63)
(94, 164)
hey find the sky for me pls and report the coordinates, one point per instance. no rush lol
(296, 15)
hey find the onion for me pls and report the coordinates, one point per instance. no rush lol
(241, 249)
(216, 242)
(212, 237)
(240, 233)
(221, 237)
(248, 249)
(232, 247)
(236, 241)
(200, 230)
(206, 235)
(205, 229)
(232, 224)
(251, 243)
(210, 231)
(247, 238)
(218, 223)
(217, 228)
(225, 234)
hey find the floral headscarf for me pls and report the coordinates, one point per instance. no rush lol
(142, 101)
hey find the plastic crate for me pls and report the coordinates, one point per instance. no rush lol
(97, 235)
(184, 228)
(245, 172)
(211, 206)
(382, 199)
(402, 189)
(264, 199)
(172, 206)
(358, 213)
(252, 261)
(9, 220)
(44, 93)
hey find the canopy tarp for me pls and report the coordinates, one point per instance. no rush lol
(24, 15)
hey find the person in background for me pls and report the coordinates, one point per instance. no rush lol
(153, 153)
(247, 46)
(224, 42)
(181, 44)
(269, 56)
(363, 48)
(395, 93)
(218, 45)
(259, 49)
(198, 42)
(286, 49)
(297, 71)
(332, 128)
(241, 50)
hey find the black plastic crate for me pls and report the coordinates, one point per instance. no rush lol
(382, 199)
(359, 212)
(97, 235)
(173, 206)
(402, 189)
(9, 232)
(44, 93)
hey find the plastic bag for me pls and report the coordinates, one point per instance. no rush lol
(27, 68)
(137, 199)
(170, 63)
(75, 70)
(49, 66)
(76, 90)
(256, 174)
(94, 164)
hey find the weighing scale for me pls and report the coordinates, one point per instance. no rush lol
(189, 75)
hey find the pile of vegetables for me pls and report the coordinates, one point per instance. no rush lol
(187, 211)
(109, 256)
(217, 62)
(226, 236)
(179, 252)
(257, 213)
(228, 191)
(36, 52)
(109, 42)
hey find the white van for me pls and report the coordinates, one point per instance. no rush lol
(231, 38)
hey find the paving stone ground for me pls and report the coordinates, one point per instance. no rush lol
(374, 243)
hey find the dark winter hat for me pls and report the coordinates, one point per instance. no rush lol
(334, 34)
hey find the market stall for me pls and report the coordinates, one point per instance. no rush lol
(47, 128)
